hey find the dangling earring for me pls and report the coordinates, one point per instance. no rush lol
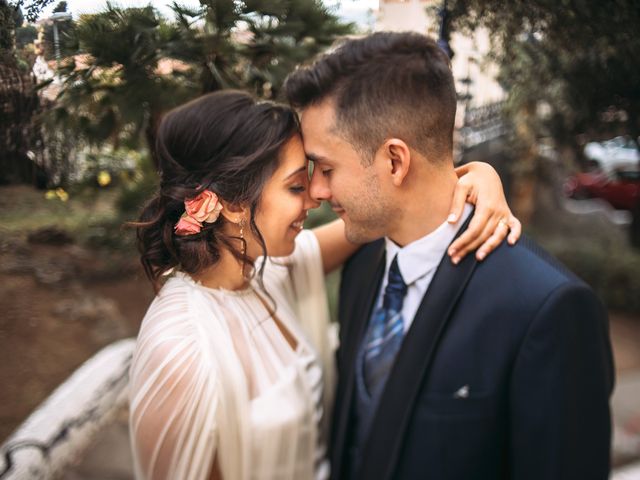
(243, 246)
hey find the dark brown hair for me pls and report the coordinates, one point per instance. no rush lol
(226, 142)
(384, 85)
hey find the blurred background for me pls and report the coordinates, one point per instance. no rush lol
(549, 94)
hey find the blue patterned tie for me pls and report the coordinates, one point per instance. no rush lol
(385, 332)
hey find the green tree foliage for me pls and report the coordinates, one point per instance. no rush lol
(579, 57)
(65, 34)
(32, 8)
(14, 34)
(10, 18)
(114, 89)
(25, 35)
(18, 105)
(253, 44)
(123, 67)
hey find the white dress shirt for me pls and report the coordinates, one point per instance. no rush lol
(418, 262)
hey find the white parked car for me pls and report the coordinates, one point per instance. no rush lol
(610, 155)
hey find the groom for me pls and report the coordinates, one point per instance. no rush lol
(492, 370)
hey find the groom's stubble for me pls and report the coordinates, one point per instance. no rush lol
(370, 213)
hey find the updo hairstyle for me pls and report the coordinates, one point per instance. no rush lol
(225, 142)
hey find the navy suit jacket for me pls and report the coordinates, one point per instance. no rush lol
(525, 338)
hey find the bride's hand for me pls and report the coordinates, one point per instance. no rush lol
(479, 184)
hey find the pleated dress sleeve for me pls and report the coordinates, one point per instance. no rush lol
(173, 394)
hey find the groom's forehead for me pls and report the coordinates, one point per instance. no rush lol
(322, 147)
(318, 116)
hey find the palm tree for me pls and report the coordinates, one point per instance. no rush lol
(132, 65)
(253, 44)
(113, 90)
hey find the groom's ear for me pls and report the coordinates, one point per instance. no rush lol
(397, 156)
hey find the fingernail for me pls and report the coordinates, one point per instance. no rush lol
(455, 260)
(451, 218)
(481, 255)
(452, 252)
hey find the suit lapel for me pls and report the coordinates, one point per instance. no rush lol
(355, 320)
(412, 363)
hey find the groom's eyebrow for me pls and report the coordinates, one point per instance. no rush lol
(316, 158)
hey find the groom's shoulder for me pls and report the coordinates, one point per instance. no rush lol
(527, 265)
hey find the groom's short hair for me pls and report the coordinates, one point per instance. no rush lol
(384, 85)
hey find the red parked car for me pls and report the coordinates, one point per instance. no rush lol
(620, 188)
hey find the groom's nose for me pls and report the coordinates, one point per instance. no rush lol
(319, 186)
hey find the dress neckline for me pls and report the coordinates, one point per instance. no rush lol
(302, 344)
(219, 290)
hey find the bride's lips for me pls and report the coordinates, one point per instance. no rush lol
(298, 225)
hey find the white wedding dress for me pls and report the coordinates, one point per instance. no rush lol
(217, 388)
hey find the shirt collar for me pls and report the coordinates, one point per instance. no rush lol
(421, 256)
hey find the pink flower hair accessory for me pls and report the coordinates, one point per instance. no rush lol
(204, 208)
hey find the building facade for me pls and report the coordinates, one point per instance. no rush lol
(475, 76)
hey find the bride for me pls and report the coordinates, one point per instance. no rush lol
(232, 374)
